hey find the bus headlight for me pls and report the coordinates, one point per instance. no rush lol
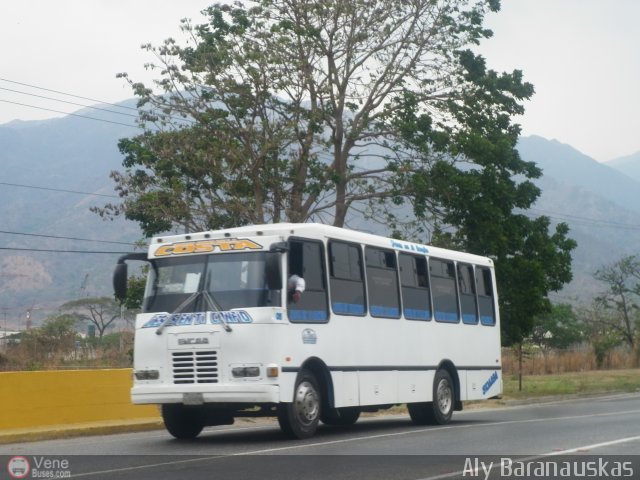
(147, 374)
(242, 372)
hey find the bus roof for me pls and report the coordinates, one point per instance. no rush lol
(324, 232)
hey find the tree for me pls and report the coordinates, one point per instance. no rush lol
(560, 328)
(50, 343)
(297, 110)
(477, 182)
(623, 282)
(289, 110)
(135, 292)
(101, 312)
(537, 264)
(602, 337)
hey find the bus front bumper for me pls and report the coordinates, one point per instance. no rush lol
(199, 394)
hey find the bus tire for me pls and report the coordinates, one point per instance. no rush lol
(182, 422)
(299, 419)
(340, 416)
(440, 410)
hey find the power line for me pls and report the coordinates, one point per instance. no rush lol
(556, 215)
(48, 250)
(66, 238)
(68, 94)
(72, 114)
(58, 190)
(584, 220)
(559, 216)
(69, 103)
(181, 119)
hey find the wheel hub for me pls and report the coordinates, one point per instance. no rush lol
(444, 395)
(307, 403)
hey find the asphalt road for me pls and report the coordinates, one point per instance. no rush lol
(582, 431)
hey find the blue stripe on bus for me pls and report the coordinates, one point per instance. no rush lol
(487, 320)
(348, 308)
(417, 314)
(469, 318)
(381, 311)
(308, 315)
(446, 316)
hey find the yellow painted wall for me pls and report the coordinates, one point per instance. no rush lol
(36, 399)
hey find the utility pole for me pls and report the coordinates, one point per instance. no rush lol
(4, 311)
(83, 286)
(29, 310)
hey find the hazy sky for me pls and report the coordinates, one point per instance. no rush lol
(581, 55)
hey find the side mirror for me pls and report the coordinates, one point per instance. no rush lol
(273, 272)
(120, 281)
(120, 274)
(280, 247)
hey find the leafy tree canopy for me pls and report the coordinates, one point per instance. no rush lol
(289, 110)
(559, 328)
(300, 110)
(56, 336)
(622, 280)
(135, 292)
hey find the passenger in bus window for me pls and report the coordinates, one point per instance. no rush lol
(295, 287)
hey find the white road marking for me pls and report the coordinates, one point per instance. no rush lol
(476, 473)
(388, 435)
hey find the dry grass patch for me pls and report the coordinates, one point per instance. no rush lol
(596, 381)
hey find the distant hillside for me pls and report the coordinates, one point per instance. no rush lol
(570, 167)
(73, 154)
(629, 165)
(600, 203)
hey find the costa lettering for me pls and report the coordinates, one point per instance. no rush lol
(207, 246)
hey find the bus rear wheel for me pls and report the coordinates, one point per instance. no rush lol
(184, 423)
(299, 419)
(440, 410)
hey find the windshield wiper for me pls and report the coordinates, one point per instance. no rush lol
(192, 298)
(214, 305)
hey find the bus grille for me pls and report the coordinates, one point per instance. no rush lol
(195, 367)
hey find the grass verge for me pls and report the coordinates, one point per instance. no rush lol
(595, 381)
(550, 385)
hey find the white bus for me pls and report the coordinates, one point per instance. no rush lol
(380, 322)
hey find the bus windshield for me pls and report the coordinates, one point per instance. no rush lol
(233, 280)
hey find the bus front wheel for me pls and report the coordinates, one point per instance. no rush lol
(184, 423)
(299, 419)
(340, 416)
(440, 410)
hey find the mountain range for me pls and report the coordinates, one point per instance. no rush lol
(53, 171)
(599, 201)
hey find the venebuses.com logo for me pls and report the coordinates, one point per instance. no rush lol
(18, 467)
(38, 467)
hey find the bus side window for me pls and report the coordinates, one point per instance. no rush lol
(485, 296)
(445, 293)
(346, 281)
(306, 259)
(382, 283)
(467, 287)
(414, 277)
